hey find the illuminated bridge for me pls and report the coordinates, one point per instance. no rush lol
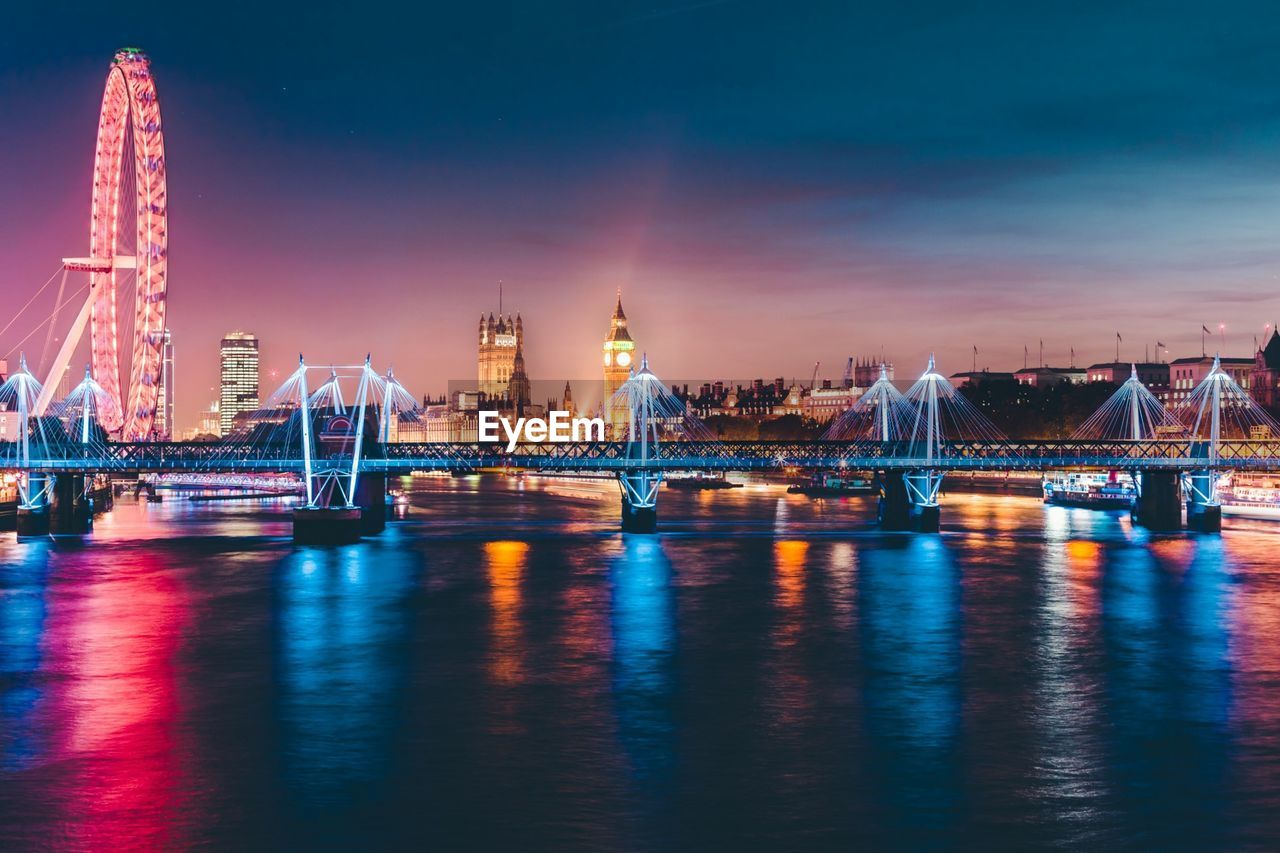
(666, 456)
(342, 454)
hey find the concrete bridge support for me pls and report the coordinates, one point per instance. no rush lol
(639, 501)
(329, 521)
(895, 506)
(1158, 506)
(908, 501)
(322, 525)
(33, 516)
(70, 512)
(1204, 513)
(371, 497)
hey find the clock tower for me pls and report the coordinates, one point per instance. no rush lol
(619, 358)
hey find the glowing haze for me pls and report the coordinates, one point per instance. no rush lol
(770, 184)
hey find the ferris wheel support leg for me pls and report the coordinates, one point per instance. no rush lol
(63, 358)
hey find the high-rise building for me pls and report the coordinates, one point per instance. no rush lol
(164, 427)
(619, 358)
(239, 378)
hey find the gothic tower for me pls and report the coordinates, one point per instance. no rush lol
(619, 357)
(566, 402)
(518, 388)
(499, 338)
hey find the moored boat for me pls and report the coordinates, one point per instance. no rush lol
(1250, 495)
(701, 482)
(830, 485)
(1090, 490)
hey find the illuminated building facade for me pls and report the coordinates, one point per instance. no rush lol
(1264, 380)
(499, 340)
(238, 386)
(164, 429)
(619, 358)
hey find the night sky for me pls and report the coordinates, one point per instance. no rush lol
(769, 183)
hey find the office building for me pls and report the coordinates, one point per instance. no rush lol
(238, 382)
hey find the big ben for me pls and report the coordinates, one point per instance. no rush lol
(619, 357)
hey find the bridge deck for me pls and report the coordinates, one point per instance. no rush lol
(670, 456)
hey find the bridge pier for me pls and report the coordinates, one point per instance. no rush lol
(323, 525)
(70, 512)
(909, 501)
(1204, 513)
(33, 517)
(1158, 506)
(371, 497)
(639, 501)
(895, 507)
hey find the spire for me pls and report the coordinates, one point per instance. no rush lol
(618, 323)
(1271, 352)
(518, 387)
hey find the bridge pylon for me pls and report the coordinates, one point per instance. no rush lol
(341, 506)
(652, 412)
(919, 423)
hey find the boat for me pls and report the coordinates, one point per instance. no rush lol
(701, 482)
(1090, 490)
(831, 485)
(1250, 495)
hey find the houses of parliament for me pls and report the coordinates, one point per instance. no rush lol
(503, 382)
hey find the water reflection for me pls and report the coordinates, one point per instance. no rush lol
(23, 610)
(643, 622)
(115, 643)
(910, 625)
(1068, 754)
(1165, 635)
(340, 635)
(504, 565)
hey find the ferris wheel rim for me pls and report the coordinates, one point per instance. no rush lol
(130, 112)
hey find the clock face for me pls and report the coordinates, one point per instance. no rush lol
(624, 358)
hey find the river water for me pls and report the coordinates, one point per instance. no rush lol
(503, 670)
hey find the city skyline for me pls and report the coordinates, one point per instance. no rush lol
(928, 193)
